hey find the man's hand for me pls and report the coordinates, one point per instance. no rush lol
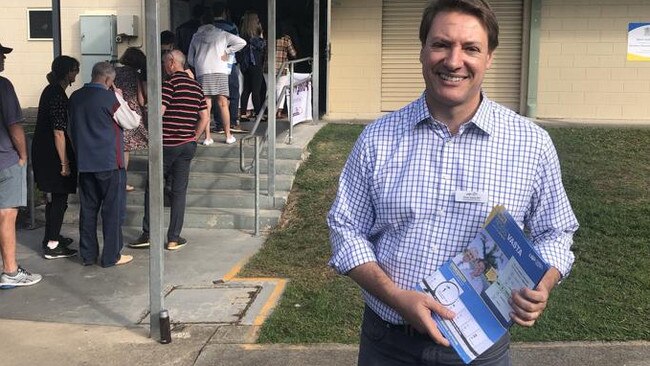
(528, 305)
(22, 162)
(224, 57)
(416, 308)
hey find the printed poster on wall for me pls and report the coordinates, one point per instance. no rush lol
(638, 42)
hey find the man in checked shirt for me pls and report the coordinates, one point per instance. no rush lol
(421, 181)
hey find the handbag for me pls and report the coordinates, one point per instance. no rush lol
(126, 117)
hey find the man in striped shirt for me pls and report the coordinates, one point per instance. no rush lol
(185, 116)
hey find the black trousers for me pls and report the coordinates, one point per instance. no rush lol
(105, 191)
(55, 207)
(253, 85)
(385, 344)
(176, 168)
(233, 90)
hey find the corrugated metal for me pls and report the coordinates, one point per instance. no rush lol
(401, 74)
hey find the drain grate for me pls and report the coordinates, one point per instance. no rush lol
(225, 305)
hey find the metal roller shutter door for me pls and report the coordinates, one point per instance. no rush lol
(401, 73)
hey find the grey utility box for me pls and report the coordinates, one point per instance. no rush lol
(98, 34)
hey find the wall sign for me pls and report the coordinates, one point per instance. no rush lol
(638, 42)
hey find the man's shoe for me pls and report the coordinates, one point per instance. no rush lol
(65, 241)
(59, 252)
(22, 278)
(124, 259)
(176, 245)
(231, 140)
(141, 242)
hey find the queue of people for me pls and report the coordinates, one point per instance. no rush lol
(83, 142)
(71, 154)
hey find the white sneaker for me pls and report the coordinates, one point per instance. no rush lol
(22, 278)
(208, 142)
(231, 140)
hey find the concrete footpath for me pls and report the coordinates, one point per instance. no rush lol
(38, 343)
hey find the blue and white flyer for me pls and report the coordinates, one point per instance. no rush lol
(476, 284)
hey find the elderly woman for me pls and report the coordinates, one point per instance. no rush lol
(131, 77)
(55, 170)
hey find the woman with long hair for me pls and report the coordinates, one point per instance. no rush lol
(53, 161)
(131, 77)
(251, 61)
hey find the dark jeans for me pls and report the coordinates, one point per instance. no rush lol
(253, 85)
(233, 90)
(55, 207)
(176, 168)
(385, 344)
(105, 191)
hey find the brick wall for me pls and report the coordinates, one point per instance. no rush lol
(583, 71)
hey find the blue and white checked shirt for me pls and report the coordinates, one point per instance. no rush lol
(396, 201)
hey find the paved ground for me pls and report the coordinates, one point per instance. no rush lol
(38, 343)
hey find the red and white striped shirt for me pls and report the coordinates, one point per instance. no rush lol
(183, 98)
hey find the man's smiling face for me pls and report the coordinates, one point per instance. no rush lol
(454, 60)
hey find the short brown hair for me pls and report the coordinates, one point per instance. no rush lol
(478, 8)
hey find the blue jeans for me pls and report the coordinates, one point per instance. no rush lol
(103, 191)
(387, 345)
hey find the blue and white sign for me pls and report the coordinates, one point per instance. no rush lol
(638, 42)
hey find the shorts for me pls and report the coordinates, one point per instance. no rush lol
(13, 186)
(214, 84)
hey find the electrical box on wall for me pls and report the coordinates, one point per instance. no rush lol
(127, 25)
(97, 42)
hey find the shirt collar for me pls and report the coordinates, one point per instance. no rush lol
(96, 85)
(481, 118)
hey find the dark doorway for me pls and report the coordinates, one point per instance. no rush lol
(299, 14)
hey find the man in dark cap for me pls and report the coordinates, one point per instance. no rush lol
(13, 188)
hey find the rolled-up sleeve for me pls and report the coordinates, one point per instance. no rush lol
(352, 215)
(551, 220)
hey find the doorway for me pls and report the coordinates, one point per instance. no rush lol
(298, 14)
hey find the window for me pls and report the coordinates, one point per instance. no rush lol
(39, 24)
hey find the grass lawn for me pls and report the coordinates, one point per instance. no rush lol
(606, 297)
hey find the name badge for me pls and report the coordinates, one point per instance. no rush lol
(471, 196)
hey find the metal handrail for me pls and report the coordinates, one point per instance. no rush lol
(252, 134)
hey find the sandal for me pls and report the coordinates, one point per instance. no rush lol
(130, 188)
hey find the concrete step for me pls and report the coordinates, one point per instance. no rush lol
(220, 165)
(227, 181)
(195, 217)
(212, 198)
(218, 149)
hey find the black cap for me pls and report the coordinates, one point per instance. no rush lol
(5, 50)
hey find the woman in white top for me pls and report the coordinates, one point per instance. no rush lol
(210, 53)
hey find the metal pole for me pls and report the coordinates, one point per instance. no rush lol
(315, 70)
(31, 206)
(289, 96)
(156, 217)
(56, 27)
(257, 185)
(270, 92)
